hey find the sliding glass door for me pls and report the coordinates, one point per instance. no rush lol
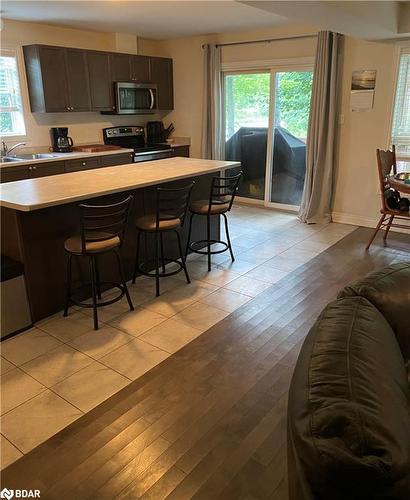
(247, 108)
(266, 121)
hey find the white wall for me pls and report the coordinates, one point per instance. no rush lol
(83, 127)
(356, 198)
(188, 72)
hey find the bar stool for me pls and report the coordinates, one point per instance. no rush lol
(171, 209)
(102, 230)
(221, 197)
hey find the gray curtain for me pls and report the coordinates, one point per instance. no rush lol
(320, 149)
(212, 147)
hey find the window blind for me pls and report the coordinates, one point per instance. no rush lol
(401, 116)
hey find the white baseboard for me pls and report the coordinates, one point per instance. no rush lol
(360, 220)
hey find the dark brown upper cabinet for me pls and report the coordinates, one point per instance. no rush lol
(120, 67)
(78, 89)
(57, 79)
(140, 69)
(162, 75)
(101, 84)
(68, 79)
(47, 78)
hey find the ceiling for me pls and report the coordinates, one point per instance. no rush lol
(369, 20)
(149, 19)
(174, 19)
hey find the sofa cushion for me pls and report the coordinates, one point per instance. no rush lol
(389, 291)
(349, 407)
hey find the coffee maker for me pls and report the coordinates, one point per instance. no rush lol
(60, 140)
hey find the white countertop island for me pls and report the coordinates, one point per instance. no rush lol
(38, 215)
(34, 194)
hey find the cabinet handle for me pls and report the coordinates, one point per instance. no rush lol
(34, 168)
(68, 108)
(113, 107)
(30, 168)
(72, 109)
(83, 163)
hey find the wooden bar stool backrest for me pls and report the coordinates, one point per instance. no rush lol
(223, 191)
(102, 222)
(386, 163)
(173, 203)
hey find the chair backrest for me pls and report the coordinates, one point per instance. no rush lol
(223, 191)
(101, 222)
(173, 203)
(386, 163)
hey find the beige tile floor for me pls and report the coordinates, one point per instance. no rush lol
(61, 369)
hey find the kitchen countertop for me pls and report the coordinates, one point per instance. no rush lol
(43, 192)
(75, 155)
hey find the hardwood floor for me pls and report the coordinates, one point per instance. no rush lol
(210, 421)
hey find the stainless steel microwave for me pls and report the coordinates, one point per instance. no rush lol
(135, 98)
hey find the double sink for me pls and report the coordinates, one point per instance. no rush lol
(25, 157)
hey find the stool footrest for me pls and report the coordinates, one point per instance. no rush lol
(100, 303)
(205, 252)
(152, 274)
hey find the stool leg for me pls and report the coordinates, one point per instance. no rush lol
(94, 291)
(162, 251)
(208, 237)
(189, 234)
(228, 238)
(97, 278)
(67, 302)
(137, 256)
(156, 258)
(124, 283)
(182, 258)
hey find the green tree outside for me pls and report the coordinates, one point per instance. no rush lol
(247, 101)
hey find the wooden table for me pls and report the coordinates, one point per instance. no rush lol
(402, 166)
(399, 185)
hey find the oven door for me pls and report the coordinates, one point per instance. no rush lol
(133, 98)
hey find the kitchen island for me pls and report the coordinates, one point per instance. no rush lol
(39, 214)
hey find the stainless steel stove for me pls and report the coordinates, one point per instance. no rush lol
(133, 137)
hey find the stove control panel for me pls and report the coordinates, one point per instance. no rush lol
(128, 131)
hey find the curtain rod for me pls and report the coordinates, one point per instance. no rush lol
(266, 40)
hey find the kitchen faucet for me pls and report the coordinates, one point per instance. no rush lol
(6, 151)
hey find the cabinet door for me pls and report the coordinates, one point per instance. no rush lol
(181, 151)
(77, 80)
(85, 164)
(53, 72)
(101, 85)
(11, 174)
(140, 69)
(118, 159)
(161, 74)
(47, 168)
(120, 67)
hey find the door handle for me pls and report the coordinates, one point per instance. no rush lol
(152, 99)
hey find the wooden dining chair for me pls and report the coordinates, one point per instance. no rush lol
(386, 164)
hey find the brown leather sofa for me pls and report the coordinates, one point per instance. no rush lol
(349, 401)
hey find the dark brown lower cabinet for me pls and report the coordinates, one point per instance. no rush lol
(19, 173)
(83, 164)
(51, 168)
(119, 159)
(181, 151)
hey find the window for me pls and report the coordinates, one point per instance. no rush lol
(11, 108)
(401, 116)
